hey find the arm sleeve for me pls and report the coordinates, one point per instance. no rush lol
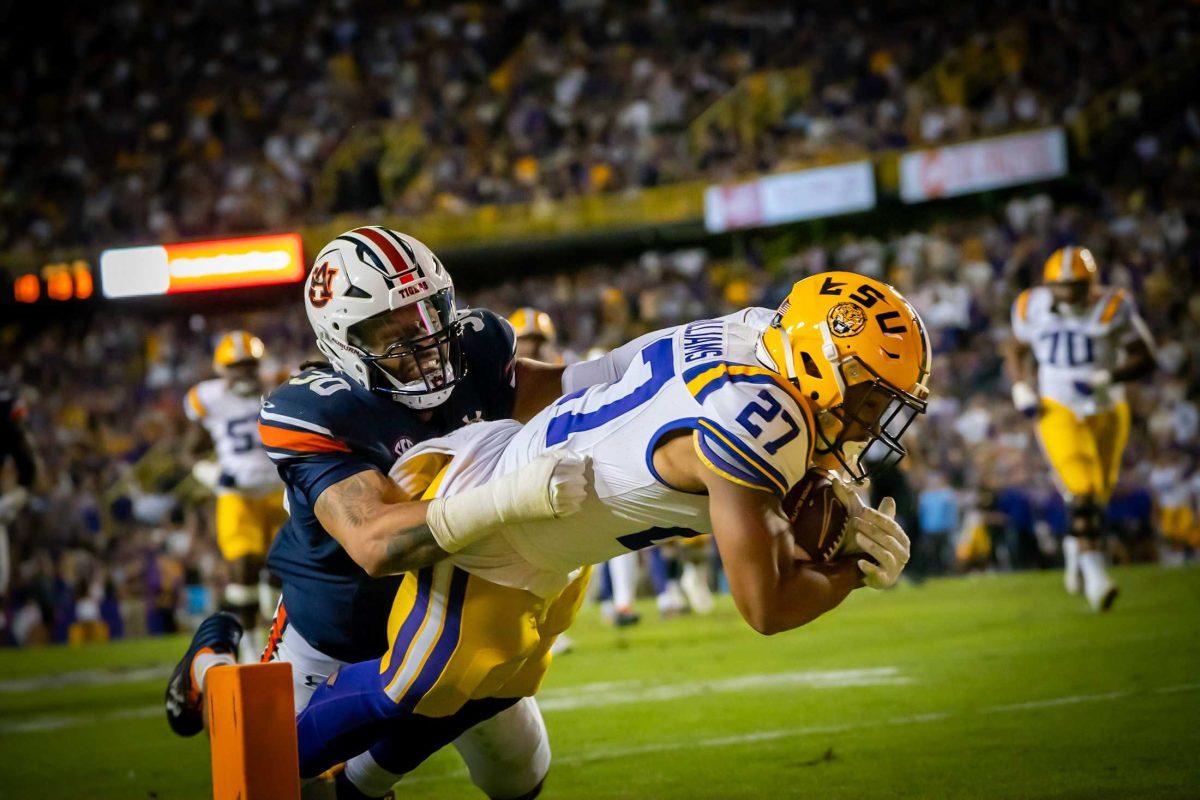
(611, 366)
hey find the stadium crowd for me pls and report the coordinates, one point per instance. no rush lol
(121, 534)
(178, 123)
(230, 117)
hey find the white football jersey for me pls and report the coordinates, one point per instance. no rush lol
(747, 424)
(232, 422)
(1071, 345)
(1170, 486)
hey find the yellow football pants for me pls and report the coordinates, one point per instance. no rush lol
(1178, 525)
(247, 525)
(454, 636)
(1084, 452)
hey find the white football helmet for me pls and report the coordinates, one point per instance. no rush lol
(382, 307)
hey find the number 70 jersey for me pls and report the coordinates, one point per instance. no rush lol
(746, 422)
(1070, 345)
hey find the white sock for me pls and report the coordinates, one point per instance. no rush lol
(695, 585)
(624, 572)
(1091, 564)
(671, 598)
(1070, 549)
(205, 661)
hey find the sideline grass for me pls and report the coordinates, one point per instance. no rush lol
(992, 686)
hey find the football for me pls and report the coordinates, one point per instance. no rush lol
(818, 518)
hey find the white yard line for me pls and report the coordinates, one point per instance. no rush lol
(613, 694)
(57, 722)
(603, 754)
(593, 695)
(86, 677)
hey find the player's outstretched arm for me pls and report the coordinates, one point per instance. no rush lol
(773, 591)
(1018, 363)
(385, 533)
(369, 517)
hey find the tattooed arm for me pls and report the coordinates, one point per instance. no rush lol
(369, 517)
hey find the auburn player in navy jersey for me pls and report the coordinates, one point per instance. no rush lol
(404, 365)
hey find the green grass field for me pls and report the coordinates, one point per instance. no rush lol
(990, 686)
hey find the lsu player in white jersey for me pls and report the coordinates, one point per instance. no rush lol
(707, 429)
(1087, 341)
(249, 494)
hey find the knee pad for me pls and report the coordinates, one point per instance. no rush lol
(508, 755)
(1086, 516)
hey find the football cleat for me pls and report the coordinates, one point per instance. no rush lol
(219, 633)
(624, 617)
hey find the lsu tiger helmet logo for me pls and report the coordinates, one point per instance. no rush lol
(846, 319)
(858, 354)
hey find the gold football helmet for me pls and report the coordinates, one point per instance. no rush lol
(236, 359)
(236, 347)
(531, 322)
(1070, 264)
(858, 353)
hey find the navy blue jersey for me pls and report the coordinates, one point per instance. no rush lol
(322, 427)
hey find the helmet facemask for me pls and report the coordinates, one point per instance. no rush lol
(242, 378)
(1073, 293)
(873, 417)
(413, 353)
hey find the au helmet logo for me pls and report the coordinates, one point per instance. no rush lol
(320, 290)
(846, 319)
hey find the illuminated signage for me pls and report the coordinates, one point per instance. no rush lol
(67, 280)
(982, 165)
(201, 266)
(790, 197)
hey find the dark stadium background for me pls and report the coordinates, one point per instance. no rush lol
(557, 155)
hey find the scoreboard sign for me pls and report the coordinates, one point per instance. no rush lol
(201, 266)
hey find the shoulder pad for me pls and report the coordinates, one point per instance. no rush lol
(1112, 304)
(199, 401)
(484, 329)
(754, 429)
(302, 416)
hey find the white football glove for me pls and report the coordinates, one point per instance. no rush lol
(568, 483)
(878, 535)
(552, 486)
(1025, 398)
(1100, 379)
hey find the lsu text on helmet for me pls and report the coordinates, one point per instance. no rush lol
(859, 355)
(382, 307)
